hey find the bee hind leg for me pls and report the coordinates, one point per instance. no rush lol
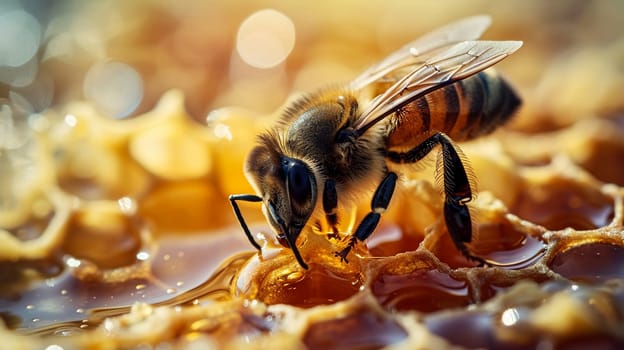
(379, 204)
(458, 193)
(456, 184)
(459, 225)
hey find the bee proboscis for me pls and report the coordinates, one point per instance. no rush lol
(330, 145)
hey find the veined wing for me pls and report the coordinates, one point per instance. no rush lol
(423, 48)
(452, 64)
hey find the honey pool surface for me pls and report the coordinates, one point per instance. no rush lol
(116, 230)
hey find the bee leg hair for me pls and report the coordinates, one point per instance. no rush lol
(457, 189)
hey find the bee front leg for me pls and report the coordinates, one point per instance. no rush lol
(239, 215)
(330, 205)
(379, 204)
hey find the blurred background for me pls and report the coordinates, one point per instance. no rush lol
(123, 55)
(73, 175)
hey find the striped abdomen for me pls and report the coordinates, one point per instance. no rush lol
(463, 110)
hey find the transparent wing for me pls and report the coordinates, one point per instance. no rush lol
(421, 49)
(449, 65)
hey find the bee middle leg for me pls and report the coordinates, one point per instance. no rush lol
(330, 205)
(456, 188)
(379, 204)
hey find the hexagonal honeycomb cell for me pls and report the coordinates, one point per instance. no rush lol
(116, 230)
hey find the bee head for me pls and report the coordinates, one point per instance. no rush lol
(288, 189)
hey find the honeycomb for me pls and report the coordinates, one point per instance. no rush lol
(116, 232)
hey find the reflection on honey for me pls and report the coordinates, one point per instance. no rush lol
(422, 290)
(592, 262)
(116, 231)
(353, 332)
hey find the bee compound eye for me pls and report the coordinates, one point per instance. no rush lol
(298, 179)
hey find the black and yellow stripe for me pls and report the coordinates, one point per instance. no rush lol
(463, 110)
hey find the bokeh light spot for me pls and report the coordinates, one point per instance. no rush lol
(20, 39)
(115, 87)
(265, 39)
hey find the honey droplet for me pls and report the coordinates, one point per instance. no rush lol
(318, 286)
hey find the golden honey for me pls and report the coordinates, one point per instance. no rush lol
(117, 233)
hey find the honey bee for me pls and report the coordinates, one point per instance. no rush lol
(338, 142)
